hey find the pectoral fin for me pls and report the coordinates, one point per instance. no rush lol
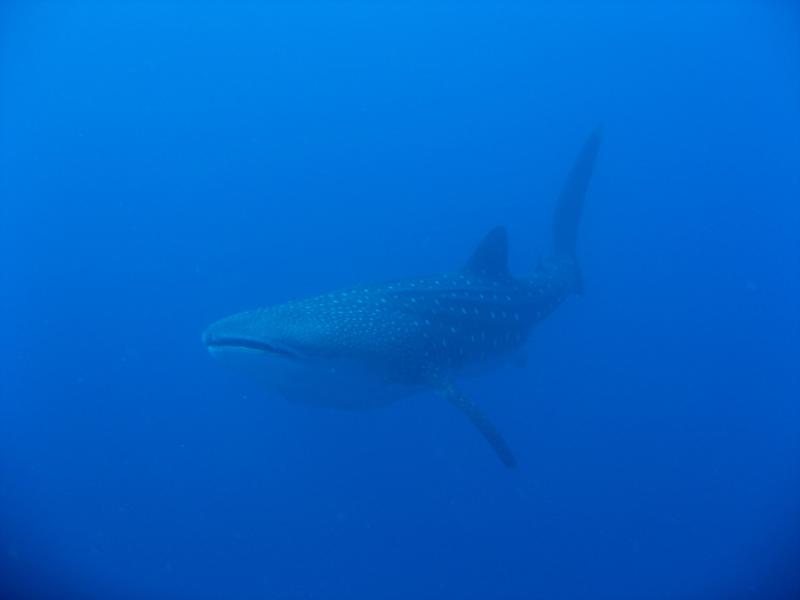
(481, 421)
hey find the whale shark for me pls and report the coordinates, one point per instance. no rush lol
(372, 345)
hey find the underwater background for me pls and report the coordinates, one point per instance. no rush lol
(164, 164)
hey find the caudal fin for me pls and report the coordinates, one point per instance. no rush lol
(570, 202)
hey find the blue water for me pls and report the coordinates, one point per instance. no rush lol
(164, 165)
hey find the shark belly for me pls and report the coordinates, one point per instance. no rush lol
(335, 382)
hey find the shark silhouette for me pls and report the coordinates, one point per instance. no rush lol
(371, 345)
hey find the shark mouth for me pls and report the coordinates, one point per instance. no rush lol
(250, 345)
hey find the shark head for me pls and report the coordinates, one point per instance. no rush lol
(308, 351)
(278, 349)
(254, 344)
(255, 333)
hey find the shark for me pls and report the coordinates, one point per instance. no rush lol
(372, 345)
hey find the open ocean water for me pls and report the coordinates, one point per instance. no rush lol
(165, 164)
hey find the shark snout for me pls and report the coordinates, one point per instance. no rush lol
(211, 336)
(226, 331)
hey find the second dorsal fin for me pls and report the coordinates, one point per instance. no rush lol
(490, 258)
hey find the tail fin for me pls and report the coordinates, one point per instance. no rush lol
(570, 202)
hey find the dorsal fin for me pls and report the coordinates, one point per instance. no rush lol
(490, 258)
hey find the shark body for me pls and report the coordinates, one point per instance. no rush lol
(372, 345)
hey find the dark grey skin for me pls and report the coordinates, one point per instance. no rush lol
(371, 345)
